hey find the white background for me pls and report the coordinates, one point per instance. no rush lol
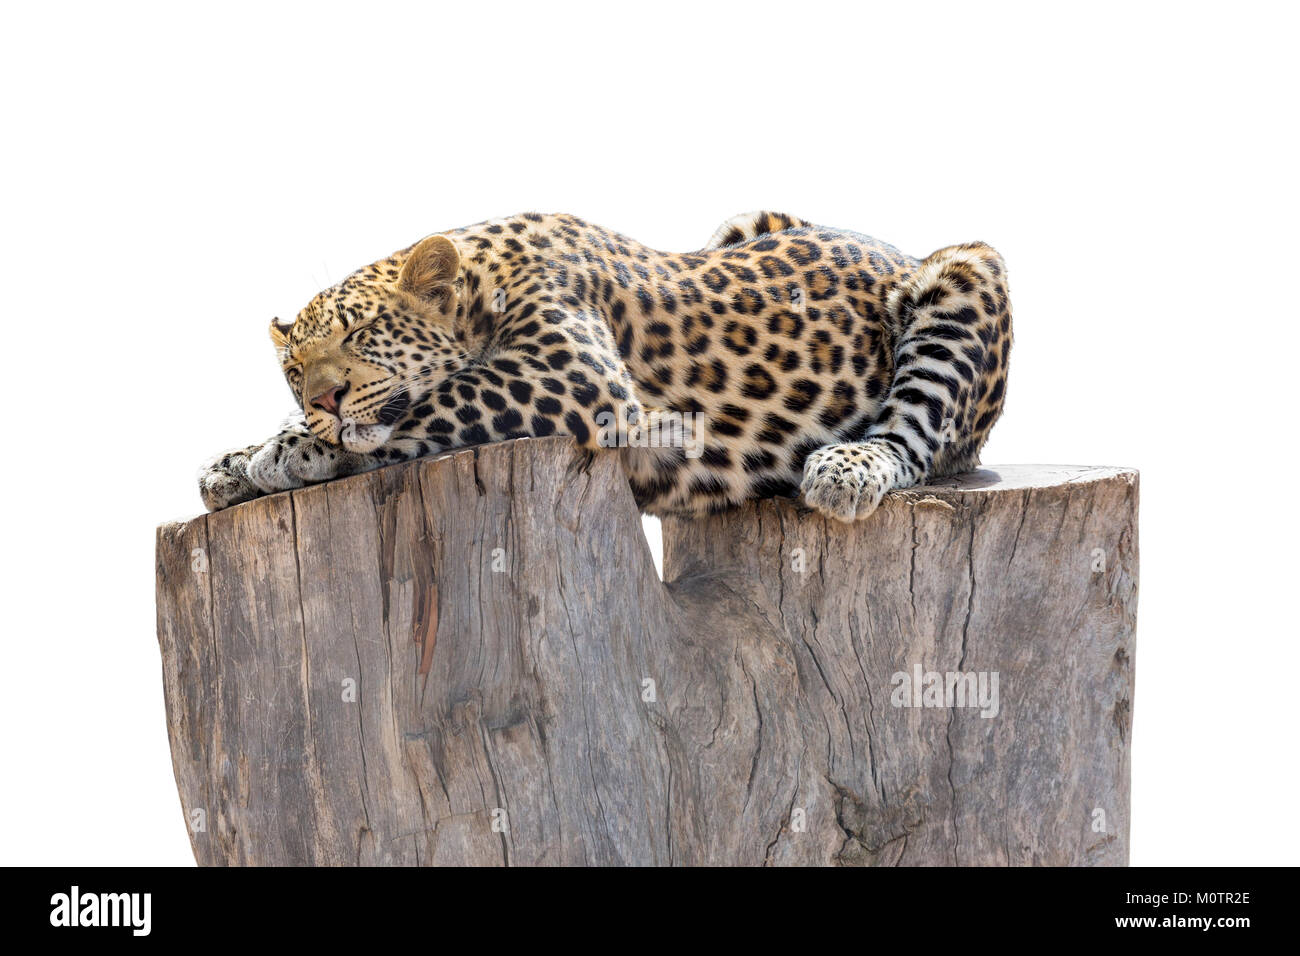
(174, 176)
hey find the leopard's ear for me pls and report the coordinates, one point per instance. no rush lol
(430, 269)
(280, 334)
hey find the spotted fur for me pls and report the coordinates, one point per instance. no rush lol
(809, 359)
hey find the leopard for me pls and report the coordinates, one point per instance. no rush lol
(783, 359)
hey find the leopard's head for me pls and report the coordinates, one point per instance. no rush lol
(363, 352)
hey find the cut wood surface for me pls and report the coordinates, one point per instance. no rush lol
(471, 659)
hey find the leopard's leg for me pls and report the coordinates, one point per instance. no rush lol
(952, 321)
(751, 225)
(292, 458)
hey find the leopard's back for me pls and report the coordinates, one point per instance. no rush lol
(777, 342)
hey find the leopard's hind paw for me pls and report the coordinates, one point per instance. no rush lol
(848, 480)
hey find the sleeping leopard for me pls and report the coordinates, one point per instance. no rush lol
(783, 358)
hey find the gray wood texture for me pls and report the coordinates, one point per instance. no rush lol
(471, 660)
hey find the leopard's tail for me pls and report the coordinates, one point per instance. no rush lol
(750, 225)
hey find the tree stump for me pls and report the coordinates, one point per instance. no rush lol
(471, 660)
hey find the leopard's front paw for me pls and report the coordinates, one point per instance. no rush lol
(847, 481)
(224, 481)
(289, 460)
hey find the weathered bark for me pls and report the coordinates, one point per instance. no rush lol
(498, 613)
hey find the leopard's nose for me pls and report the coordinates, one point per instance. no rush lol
(328, 400)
